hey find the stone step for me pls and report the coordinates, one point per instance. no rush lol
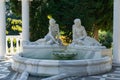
(116, 72)
(14, 76)
(116, 65)
(88, 78)
(34, 78)
(24, 76)
(117, 69)
(18, 76)
(106, 78)
(11, 76)
(71, 78)
(113, 75)
(110, 78)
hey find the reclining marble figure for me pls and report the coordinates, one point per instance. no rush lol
(53, 35)
(80, 36)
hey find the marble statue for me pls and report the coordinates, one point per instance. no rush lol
(53, 35)
(80, 36)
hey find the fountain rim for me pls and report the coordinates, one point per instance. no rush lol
(25, 60)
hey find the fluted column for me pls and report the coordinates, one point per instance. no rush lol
(25, 20)
(2, 29)
(116, 32)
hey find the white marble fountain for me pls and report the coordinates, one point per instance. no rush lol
(38, 58)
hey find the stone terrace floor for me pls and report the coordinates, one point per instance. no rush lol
(6, 73)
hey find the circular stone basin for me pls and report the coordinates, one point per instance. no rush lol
(53, 67)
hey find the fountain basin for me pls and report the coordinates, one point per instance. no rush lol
(53, 67)
(44, 52)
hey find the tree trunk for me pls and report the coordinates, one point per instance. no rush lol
(96, 29)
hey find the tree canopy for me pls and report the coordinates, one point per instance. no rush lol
(94, 14)
(14, 23)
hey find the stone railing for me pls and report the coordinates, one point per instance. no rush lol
(13, 44)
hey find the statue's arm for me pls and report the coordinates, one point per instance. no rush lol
(84, 33)
(53, 39)
(74, 33)
(49, 29)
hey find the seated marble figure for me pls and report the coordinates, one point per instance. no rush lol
(53, 35)
(80, 37)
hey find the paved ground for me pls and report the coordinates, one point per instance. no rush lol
(6, 73)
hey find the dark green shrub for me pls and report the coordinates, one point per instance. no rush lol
(105, 39)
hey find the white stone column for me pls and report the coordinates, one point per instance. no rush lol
(17, 45)
(116, 32)
(7, 46)
(2, 29)
(11, 46)
(25, 20)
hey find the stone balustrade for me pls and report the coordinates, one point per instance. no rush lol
(13, 44)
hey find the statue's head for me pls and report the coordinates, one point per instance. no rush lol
(52, 21)
(77, 21)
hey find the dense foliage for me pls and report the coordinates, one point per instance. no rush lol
(14, 26)
(95, 15)
(14, 23)
(105, 38)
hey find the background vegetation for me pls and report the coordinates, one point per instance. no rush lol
(96, 15)
(14, 23)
